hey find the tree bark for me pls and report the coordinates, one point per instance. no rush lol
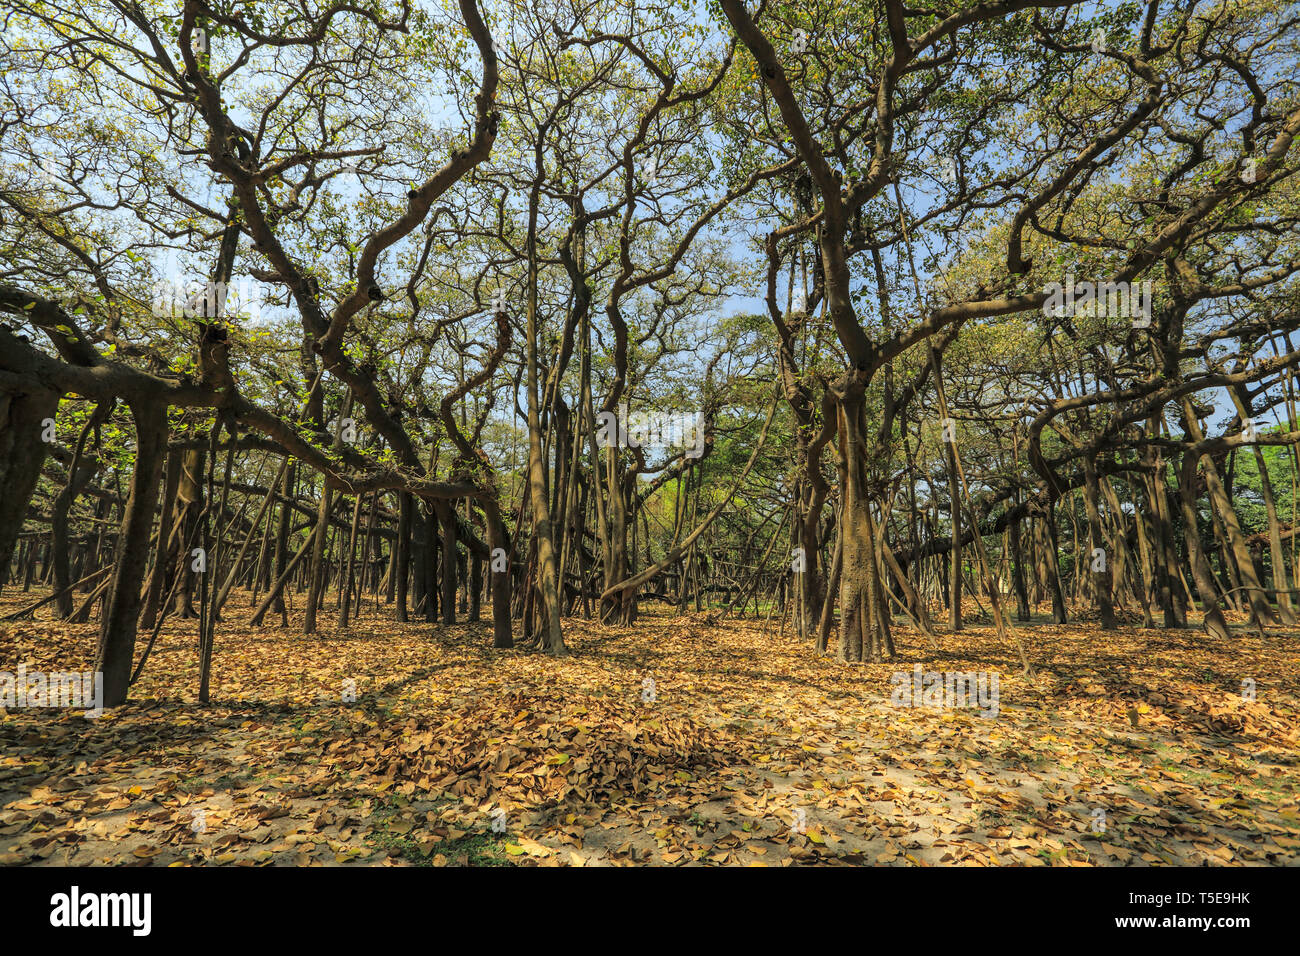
(117, 634)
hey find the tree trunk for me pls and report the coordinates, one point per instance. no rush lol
(1100, 558)
(864, 633)
(22, 453)
(117, 633)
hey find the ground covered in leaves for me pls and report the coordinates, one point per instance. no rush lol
(686, 739)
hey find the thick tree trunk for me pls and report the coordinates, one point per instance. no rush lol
(1201, 573)
(345, 578)
(164, 554)
(1101, 557)
(1018, 572)
(1235, 540)
(118, 630)
(864, 631)
(189, 508)
(317, 567)
(1286, 612)
(22, 453)
(80, 471)
(1172, 597)
(811, 584)
(282, 544)
(1052, 562)
(502, 635)
(446, 514)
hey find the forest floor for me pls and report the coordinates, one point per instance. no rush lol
(684, 739)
